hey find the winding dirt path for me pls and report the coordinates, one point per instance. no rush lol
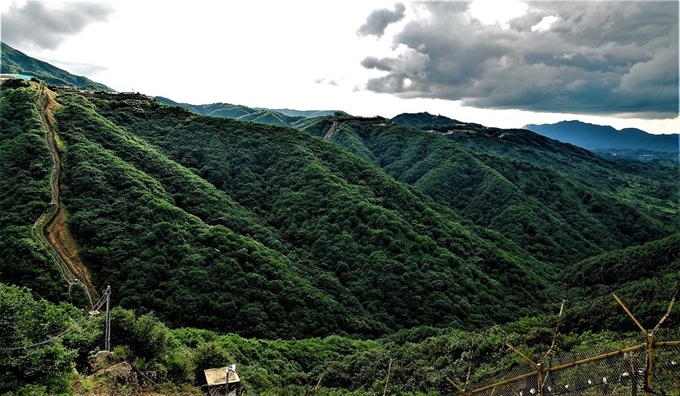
(51, 229)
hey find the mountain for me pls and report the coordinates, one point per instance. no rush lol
(238, 112)
(286, 117)
(347, 246)
(388, 226)
(16, 62)
(522, 212)
(605, 138)
(193, 217)
(559, 202)
(301, 113)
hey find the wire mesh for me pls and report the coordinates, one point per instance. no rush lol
(504, 375)
(666, 369)
(617, 369)
(524, 387)
(666, 335)
(618, 374)
(608, 370)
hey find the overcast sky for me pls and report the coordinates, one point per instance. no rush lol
(496, 62)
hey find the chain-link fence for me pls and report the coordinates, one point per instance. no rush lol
(596, 371)
(619, 369)
(666, 363)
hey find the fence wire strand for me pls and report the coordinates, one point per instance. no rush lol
(615, 369)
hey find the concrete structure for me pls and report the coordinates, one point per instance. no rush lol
(218, 383)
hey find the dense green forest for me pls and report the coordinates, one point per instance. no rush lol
(418, 360)
(273, 223)
(561, 203)
(238, 112)
(24, 192)
(397, 244)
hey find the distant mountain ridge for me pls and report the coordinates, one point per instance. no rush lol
(16, 62)
(301, 113)
(600, 137)
(239, 112)
(302, 254)
(558, 201)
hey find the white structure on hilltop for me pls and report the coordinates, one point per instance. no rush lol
(7, 76)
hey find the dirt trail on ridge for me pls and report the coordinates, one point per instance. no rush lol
(331, 132)
(56, 230)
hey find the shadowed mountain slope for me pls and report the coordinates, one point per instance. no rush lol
(194, 216)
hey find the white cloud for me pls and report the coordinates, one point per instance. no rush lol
(271, 54)
(490, 12)
(614, 58)
(545, 23)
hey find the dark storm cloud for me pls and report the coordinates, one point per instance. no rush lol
(597, 58)
(34, 24)
(378, 20)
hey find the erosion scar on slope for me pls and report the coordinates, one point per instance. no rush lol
(56, 230)
(331, 132)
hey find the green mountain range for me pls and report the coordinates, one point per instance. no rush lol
(16, 62)
(560, 203)
(627, 142)
(161, 200)
(244, 113)
(344, 241)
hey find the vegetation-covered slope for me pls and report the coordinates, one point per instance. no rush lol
(16, 62)
(417, 361)
(612, 270)
(266, 231)
(24, 191)
(559, 202)
(286, 223)
(238, 112)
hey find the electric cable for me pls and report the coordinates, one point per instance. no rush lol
(63, 333)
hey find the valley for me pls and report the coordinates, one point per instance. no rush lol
(380, 248)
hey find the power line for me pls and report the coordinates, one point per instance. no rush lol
(55, 338)
(94, 312)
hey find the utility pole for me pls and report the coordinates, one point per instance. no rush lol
(107, 331)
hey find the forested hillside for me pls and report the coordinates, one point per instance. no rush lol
(238, 112)
(375, 252)
(561, 203)
(24, 192)
(244, 227)
(408, 362)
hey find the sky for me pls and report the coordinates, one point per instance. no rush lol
(500, 63)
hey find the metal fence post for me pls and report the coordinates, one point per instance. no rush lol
(648, 372)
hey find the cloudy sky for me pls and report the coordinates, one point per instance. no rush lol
(496, 62)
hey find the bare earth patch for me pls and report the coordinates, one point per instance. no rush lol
(57, 232)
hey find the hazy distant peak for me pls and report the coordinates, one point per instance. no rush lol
(600, 137)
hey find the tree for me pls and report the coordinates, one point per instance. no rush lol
(32, 354)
